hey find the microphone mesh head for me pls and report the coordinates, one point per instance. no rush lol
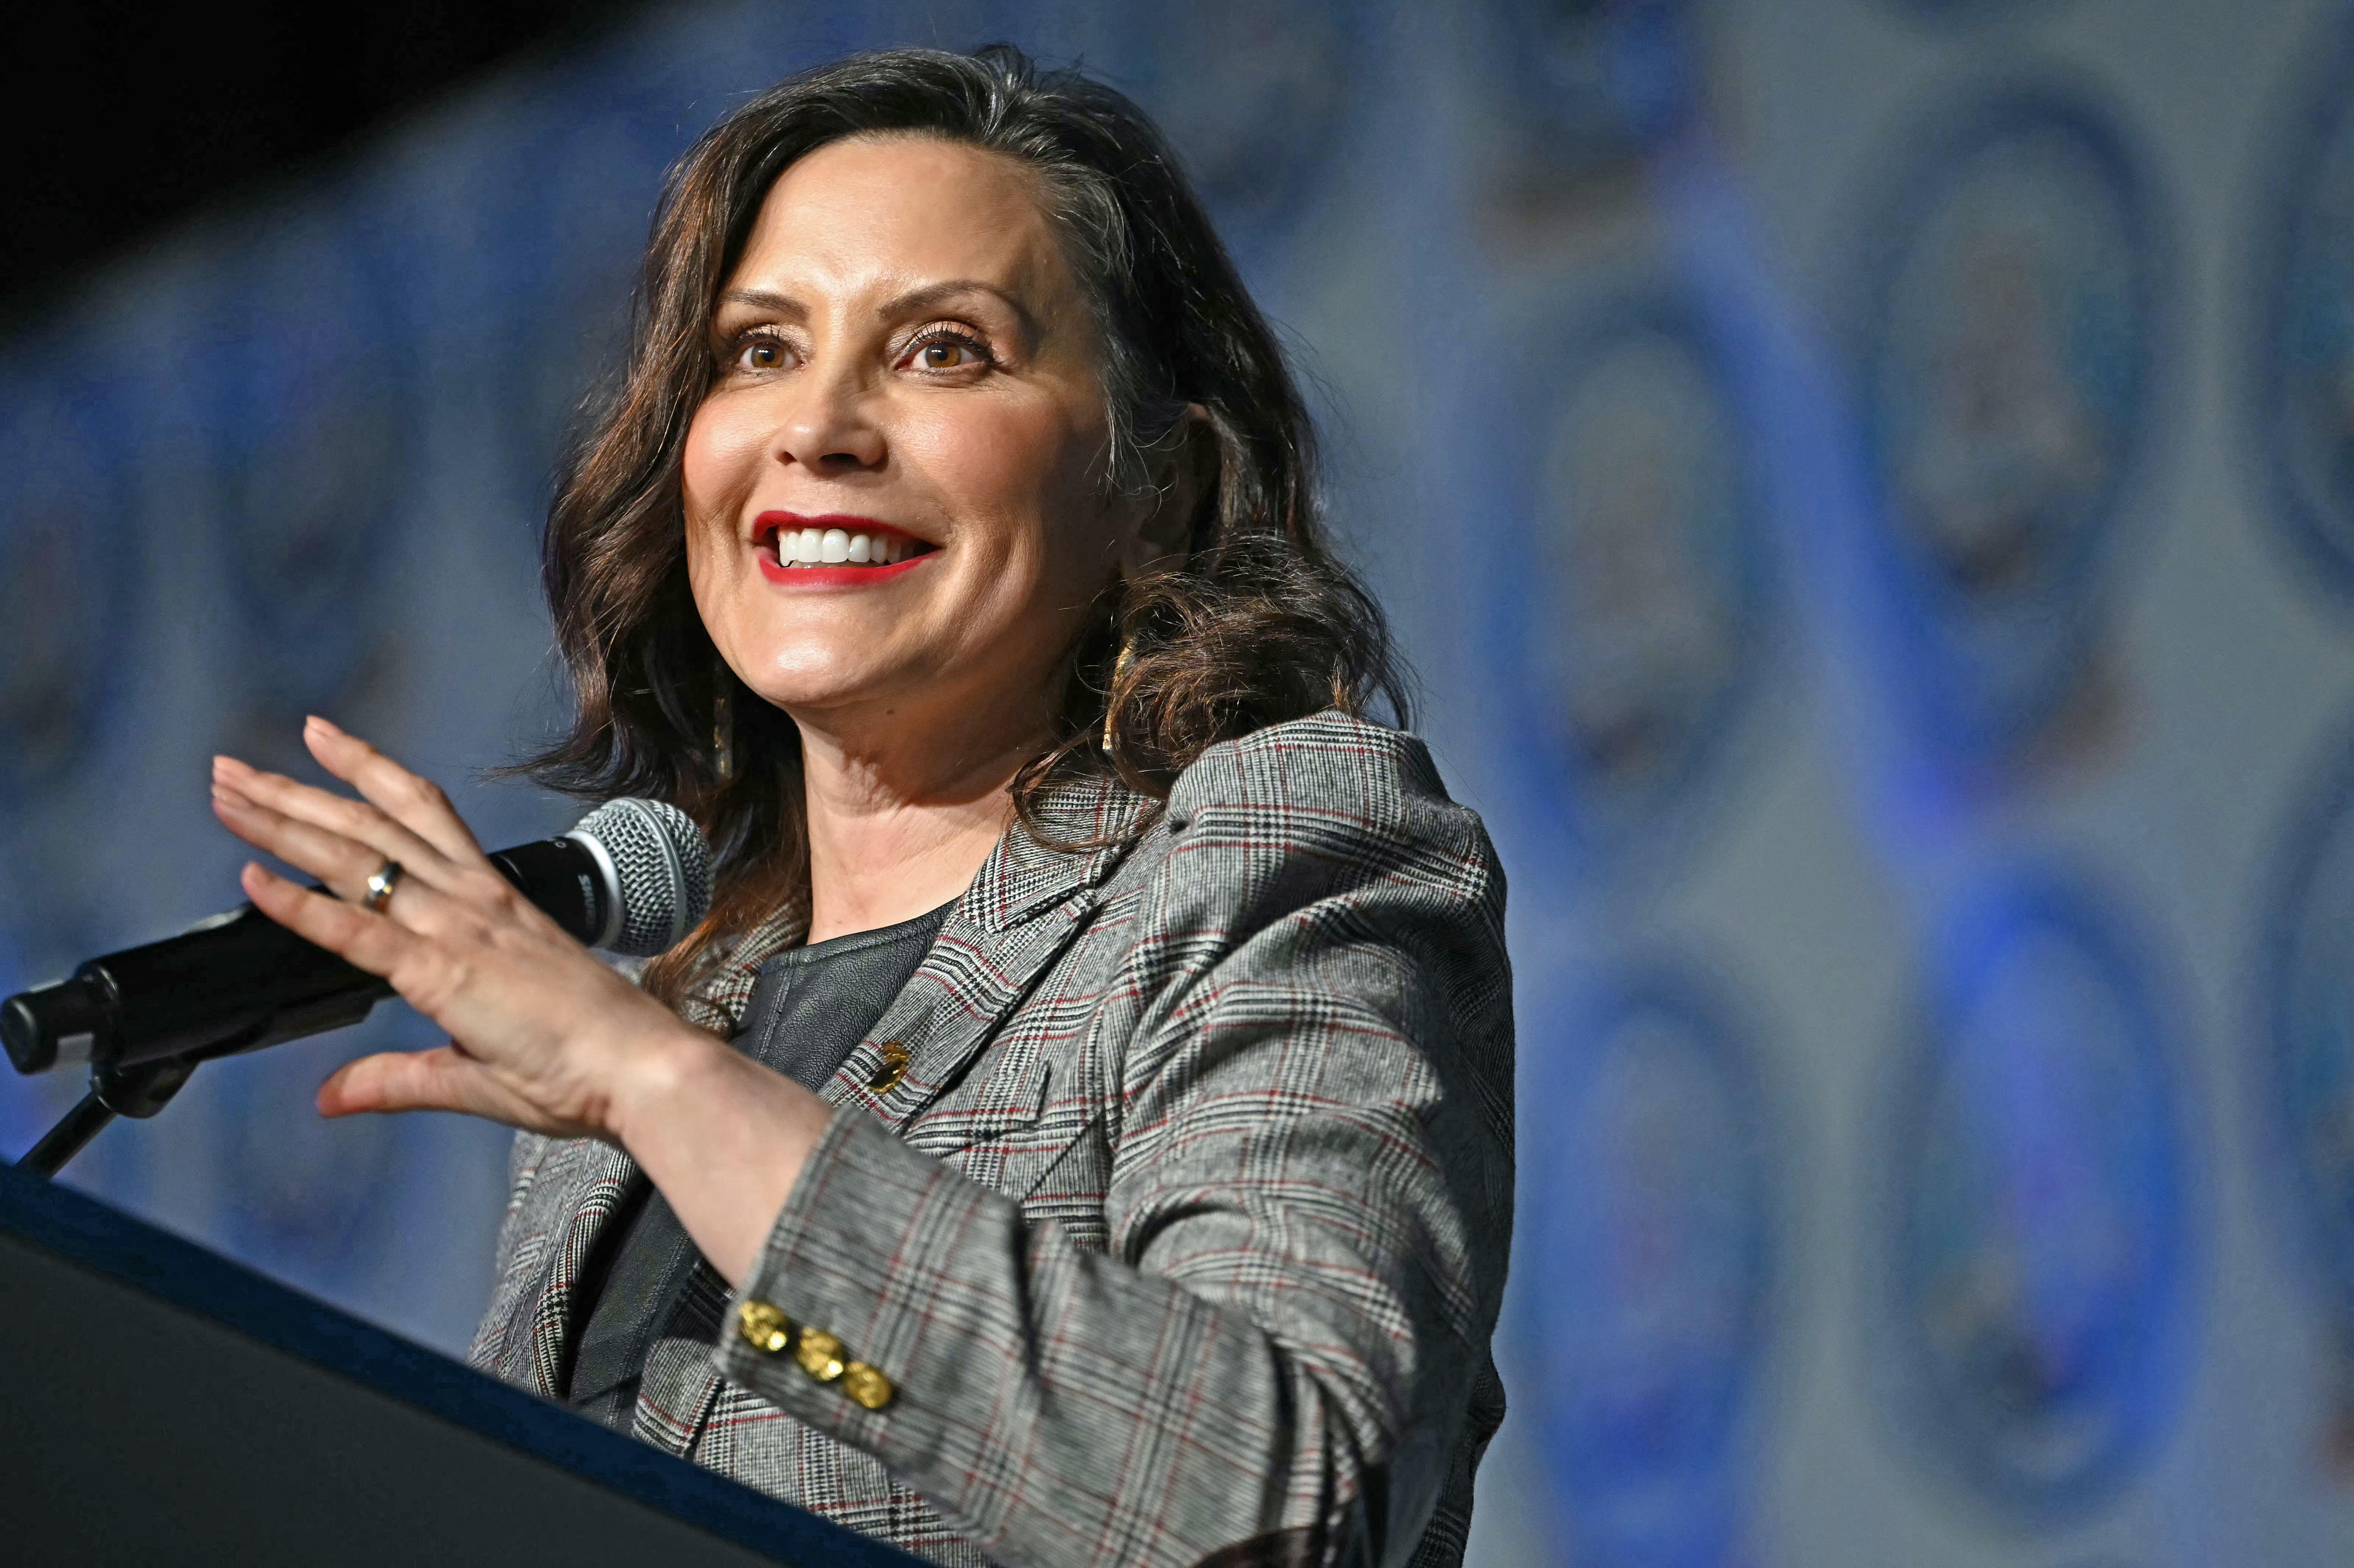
(662, 866)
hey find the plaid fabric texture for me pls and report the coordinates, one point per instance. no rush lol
(1181, 1236)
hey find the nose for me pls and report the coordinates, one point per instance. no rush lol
(829, 426)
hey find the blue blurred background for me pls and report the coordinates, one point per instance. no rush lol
(1868, 488)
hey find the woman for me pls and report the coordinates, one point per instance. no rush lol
(1080, 1133)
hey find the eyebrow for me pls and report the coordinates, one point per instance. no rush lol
(907, 303)
(764, 299)
(933, 293)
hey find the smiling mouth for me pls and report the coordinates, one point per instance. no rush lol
(796, 543)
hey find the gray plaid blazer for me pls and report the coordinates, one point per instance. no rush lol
(1179, 1235)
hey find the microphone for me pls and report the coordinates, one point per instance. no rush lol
(632, 878)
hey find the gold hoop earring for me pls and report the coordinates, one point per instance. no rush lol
(1112, 697)
(723, 721)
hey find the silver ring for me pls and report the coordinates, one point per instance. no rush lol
(380, 886)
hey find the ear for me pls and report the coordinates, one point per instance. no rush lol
(1184, 470)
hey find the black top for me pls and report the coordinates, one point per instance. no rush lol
(812, 1007)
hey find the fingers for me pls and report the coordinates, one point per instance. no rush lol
(403, 1081)
(359, 937)
(412, 954)
(394, 1081)
(302, 826)
(418, 804)
(343, 841)
(344, 863)
(444, 1079)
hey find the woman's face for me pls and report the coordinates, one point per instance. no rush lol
(893, 498)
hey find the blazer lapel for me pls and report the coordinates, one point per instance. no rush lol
(716, 1001)
(586, 1183)
(1032, 896)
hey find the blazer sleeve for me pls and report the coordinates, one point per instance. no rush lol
(1308, 1209)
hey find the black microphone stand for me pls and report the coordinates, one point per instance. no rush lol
(239, 982)
(138, 1091)
(205, 976)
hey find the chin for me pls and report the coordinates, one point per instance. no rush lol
(810, 682)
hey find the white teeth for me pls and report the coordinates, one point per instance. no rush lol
(836, 546)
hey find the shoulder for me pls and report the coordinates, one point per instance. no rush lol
(1326, 764)
(1361, 802)
(1311, 881)
(1327, 780)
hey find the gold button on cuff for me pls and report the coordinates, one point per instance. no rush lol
(890, 1069)
(866, 1385)
(764, 1326)
(820, 1355)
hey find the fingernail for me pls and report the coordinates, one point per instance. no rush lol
(316, 721)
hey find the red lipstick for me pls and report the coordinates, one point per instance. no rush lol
(781, 537)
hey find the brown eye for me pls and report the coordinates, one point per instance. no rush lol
(761, 355)
(943, 350)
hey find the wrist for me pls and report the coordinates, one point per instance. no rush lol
(722, 1138)
(659, 1075)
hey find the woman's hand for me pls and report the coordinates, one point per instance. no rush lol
(544, 1036)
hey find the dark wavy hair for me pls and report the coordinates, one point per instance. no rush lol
(1259, 624)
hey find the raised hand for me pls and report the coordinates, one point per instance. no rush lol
(541, 1032)
(543, 1037)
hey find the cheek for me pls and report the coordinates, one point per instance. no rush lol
(721, 459)
(1020, 477)
(716, 469)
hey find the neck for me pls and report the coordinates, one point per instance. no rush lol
(902, 814)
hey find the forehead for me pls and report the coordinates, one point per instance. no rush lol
(872, 215)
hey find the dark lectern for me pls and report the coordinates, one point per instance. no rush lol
(159, 1405)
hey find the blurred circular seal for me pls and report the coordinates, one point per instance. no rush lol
(1627, 587)
(2308, 1003)
(1590, 83)
(316, 433)
(2303, 363)
(68, 559)
(2010, 286)
(2038, 1272)
(1647, 1232)
(1254, 93)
